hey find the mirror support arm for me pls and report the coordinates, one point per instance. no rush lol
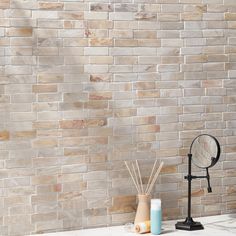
(207, 176)
(189, 223)
(208, 181)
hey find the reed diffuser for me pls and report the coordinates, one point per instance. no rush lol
(143, 210)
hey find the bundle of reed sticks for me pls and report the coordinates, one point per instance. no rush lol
(136, 176)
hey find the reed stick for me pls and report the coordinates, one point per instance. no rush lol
(140, 177)
(136, 178)
(149, 180)
(155, 178)
(131, 176)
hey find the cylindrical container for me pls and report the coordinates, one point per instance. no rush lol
(143, 210)
(156, 216)
(143, 227)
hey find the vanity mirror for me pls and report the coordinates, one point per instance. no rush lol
(204, 153)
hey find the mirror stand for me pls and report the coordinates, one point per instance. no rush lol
(189, 223)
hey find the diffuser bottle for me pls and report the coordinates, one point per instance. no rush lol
(156, 216)
(143, 210)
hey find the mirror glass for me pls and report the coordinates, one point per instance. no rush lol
(205, 150)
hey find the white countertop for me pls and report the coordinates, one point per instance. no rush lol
(222, 225)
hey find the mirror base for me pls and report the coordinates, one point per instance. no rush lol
(189, 225)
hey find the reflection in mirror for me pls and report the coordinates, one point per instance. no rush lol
(205, 151)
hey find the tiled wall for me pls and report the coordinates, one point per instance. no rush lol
(87, 84)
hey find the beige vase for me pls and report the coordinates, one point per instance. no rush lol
(143, 209)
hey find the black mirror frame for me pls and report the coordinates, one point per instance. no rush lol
(214, 160)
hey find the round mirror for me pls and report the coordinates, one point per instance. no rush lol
(205, 150)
